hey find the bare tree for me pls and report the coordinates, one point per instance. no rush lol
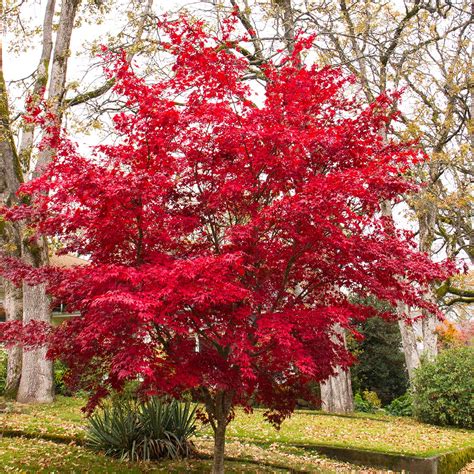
(31, 302)
(421, 47)
(10, 179)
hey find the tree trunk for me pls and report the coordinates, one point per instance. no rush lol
(407, 329)
(410, 350)
(430, 336)
(57, 90)
(37, 384)
(427, 224)
(10, 179)
(14, 312)
(336, 391)
(218, 407)
(219, 446)
(409, 342)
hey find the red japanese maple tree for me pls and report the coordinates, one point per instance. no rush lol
(225, 237)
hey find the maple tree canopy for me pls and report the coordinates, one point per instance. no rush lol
(225, 233)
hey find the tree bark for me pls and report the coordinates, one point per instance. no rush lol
(57, 89)
(219, 446)
(336, 391)
(407, 329)
(14, 312)
(427, 224)
(37, 384)
(218, 407)
(409, 342)
(429, 324)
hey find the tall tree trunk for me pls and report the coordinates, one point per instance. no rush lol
(37, 384)
(429, 324)
(10, 180)
(219, 446)
(57, 82)
(427, 225)
(409, 342)
(407, 329)
(336, 391)
(14, 312)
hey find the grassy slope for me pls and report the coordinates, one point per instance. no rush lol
(381, 433)
(65, 419)
(39, 456)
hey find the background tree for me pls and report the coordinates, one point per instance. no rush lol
(30, 374)
(10, 180)
(380, 366)
(422, 47)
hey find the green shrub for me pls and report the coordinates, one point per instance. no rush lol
(443, 389)
(360, 404)
(134, 430)
(367, 402)
(3, 371)
(380, 365)
(401, 406)
(372, 398)
(60, 370)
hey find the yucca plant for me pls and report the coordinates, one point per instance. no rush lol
(133, 430)
(168, 427)
(116, 429)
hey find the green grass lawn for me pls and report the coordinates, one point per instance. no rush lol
(51, 434)
(39, 456)
(251, 441)
(381, 433)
